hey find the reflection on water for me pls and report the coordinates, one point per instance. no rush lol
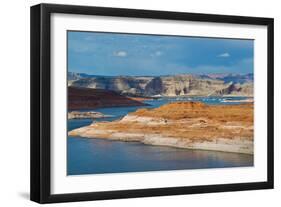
(91, 156)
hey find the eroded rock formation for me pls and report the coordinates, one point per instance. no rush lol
(175, 85)
(192, 125)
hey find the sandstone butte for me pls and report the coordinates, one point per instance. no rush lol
(191, 125)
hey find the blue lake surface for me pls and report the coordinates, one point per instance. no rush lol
(94, 156)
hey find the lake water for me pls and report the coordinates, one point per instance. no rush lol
(92, 156)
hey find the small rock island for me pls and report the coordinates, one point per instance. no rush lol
(85, 115)
(191, 125)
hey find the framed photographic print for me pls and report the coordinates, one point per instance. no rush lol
(133, 103)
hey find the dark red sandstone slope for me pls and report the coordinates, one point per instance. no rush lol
(87, 98)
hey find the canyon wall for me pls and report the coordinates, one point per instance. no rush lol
(173, 85)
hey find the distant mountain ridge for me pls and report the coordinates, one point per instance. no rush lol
(234, 78)
(169, 85)
(76, 76)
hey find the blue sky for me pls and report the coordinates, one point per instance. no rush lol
(129, 54)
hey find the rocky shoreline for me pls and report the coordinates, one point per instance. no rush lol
(191, 125)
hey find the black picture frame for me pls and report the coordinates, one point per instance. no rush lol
(41, 96)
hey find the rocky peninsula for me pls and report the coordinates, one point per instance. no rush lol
(90, 98)
(192, 125)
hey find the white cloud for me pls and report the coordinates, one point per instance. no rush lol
(120, 53)
(224, 55)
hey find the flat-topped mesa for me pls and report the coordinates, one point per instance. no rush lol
(175, 110)
(184, 110)
(193, 125)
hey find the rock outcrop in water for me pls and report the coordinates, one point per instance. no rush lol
(191, 125)
(85, 115)
(174, 85)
